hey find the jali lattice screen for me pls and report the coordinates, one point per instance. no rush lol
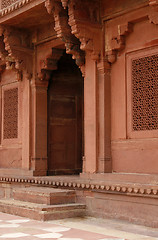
(145, 93)
(10, 114)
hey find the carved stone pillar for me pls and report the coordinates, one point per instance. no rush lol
(104, 116)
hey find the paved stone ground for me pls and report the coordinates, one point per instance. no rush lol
(15, 227)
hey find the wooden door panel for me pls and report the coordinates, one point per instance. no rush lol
(63, 152)
(57, 153)
(63, 146)
(65, 98)
(63, 107)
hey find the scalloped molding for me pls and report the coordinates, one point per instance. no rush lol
(124, 189)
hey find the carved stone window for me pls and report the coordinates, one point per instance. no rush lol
(145, 93)
(7, 3)
(10, 114)
(142, 93)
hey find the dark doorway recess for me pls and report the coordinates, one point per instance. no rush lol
(65, 118)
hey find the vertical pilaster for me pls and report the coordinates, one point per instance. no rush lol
(90, 116)
(104, 116)
(39, 128)
(26, 124)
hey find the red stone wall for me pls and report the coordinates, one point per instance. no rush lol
(115, 7)
(135, 150)
(11, 110)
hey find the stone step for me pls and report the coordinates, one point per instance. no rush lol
(44, 195)
(42, 212)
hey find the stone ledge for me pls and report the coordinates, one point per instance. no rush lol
(103, 186)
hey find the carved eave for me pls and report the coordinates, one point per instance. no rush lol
(16, 51)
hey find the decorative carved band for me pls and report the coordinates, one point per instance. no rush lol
(6, 3)
(139, 190)
(9, 6)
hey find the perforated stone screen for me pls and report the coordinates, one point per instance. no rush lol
(6, 3)
(145, 93)
(10, 110)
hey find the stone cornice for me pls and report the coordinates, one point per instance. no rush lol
(127, 189)
(18, 4)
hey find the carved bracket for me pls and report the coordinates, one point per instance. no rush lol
(153, 12)
(117, 42)
(15, 51)
(77, 23)
(63, 30)
(48, 64)
(84, 20)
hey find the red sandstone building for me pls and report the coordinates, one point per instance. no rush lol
(79, 95)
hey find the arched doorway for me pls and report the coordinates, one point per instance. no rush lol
(65, 118)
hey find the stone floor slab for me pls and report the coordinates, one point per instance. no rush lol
(13, 227)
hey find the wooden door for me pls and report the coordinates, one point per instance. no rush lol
(65, 116)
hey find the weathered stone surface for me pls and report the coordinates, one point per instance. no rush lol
(41, 212)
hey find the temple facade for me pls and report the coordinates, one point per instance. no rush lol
(79, 97)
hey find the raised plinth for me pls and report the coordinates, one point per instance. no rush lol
(42, 203)
(43, 195)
